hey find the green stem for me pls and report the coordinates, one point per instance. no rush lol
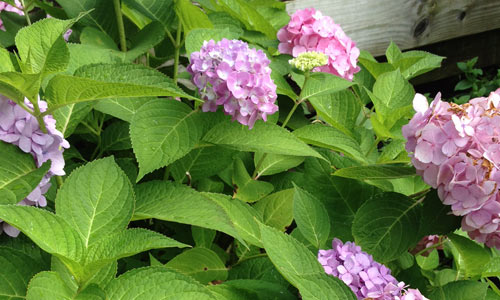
(25, 11)
(121, 27)
(59, 181)
(38, 116)
(177, 50)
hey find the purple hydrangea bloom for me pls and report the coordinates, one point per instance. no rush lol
(20, 128)
(230, 74)
(367, 278)
(456, 149)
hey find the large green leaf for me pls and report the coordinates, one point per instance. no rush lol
(320, 84)
(156, 283)
(16, 271)
(249, 16)
(122, 108)
(148, 37)
(19, 175)
(5, 62)
(50, 232)
(471, 257)
(97, 200)
(68, 117)
(437, 217)
(332, 138)
(277, 209)
(42, 48)
(460, 290)
(97, 82)
(387, 225)
(163, 131)
(270, 164)
(263, 137)
(202, 264)
(99, 14)
(16, 86)
(116, 137)
(191, 16)
(258, 289)
(126, 243)
(178, 203)
(311, 217)
(339, 109)
(158, 10)
(258, 268)
(302, 269)
(376, 172)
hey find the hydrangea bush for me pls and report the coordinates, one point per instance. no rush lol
(215, 149)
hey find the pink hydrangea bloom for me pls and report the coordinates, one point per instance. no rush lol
(230, 74)
(427, 242)
(309, 30)
(20, 128)
(357, 269)
(7, 7)
(457, 151)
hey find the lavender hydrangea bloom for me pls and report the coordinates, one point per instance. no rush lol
(20, 128)
(456, 149)
(230, 74)
(366, 277)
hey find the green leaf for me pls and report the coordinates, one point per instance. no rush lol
(375, 172)
(191, 16)
(163, 131)
(156, 283)
(95, 37)
(116, 137)
(437, 217)
(68, 117)
(277, 209)
(392, 92)
(282, 86)
(17, 86)
(126, 243)
(19, 175)
(248, 189)
(97, 82)
(178, 203)
(5, 62)
(473, 257)
(460, 290)
(339, 109)
(148, 37)
(42, 48)
(331, 138)
(202, 264)
(311, 217)
(96, 200)
(202, 162)
(323, 83)
(17, 269)
(203, 237)
(429, 262)
(50, 232)
(393, 53)
(258, 268)
(387, 225)
(196, 37)
(97, 14)
(415, 63)
(47, 286)
(122, 108)
(157, 10)
(249, 16)
(263, 137)
(301, 268)
(259, 289)
(270, 164)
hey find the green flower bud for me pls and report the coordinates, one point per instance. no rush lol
(306, 61)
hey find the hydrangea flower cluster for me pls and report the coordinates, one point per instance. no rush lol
(20, 128)
(307, 61)
(230, 74)
(7, 7)
(367, 278)
(456, 148)
(308, 30)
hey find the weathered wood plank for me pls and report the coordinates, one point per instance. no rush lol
(409, 23)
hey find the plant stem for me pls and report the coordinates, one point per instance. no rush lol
(38, 116)
(25, 11)
(59, 181)
(177, 50)
(121, 27)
